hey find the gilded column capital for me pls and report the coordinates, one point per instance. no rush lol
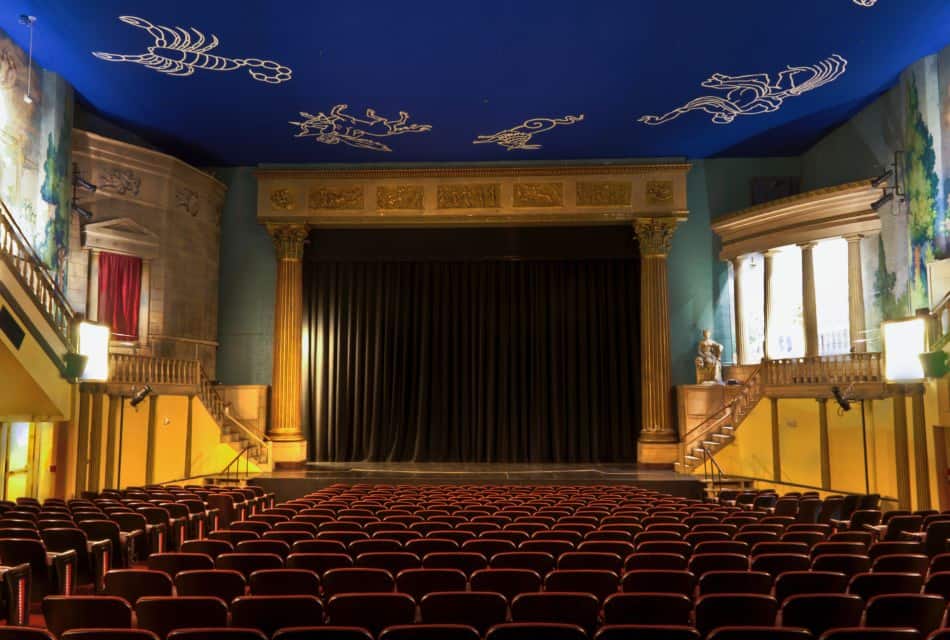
(289, 240)
(655, 235)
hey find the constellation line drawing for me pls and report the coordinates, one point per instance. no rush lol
(178, 52)
(865, 3)
(354, 131)
(518, 137)
(755, 94)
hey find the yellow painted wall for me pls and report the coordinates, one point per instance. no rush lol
(134, 445)
(798, 429)
(799, 436)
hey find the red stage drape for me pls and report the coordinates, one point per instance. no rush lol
(120, 289)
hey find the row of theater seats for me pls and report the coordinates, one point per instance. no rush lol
(594, 557)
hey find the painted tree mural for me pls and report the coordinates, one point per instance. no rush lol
(921, 183)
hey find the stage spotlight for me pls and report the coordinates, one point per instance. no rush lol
(84, 184)
(842, 401)
(85, 214)
(139, 396)
(883, 200)
(883, 178)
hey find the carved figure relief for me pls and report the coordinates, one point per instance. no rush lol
(659, 191)
(603, 194)
(362, 133)
(520, 136)
(399, 197)
(188, 201)
(123, 182)
(538, 194)
(468, 196)
(178, 52)
(755, 94)
(282, 199)
(336, 198)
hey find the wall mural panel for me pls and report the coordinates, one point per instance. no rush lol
(34, 155)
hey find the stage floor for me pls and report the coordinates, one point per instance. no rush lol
(293, 484)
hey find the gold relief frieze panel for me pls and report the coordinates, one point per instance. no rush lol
(604, 194)
(468, 196)
(659, 191)
(400, 196)
(283, 199)
(336, 198)
(538, 194)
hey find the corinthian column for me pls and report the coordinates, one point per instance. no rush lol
(289, 443)
(655, 236)
(738, 307)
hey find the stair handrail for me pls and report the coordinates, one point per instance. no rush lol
(244, 453)
(250, 433)
(33, 275)
(737, 407)
(709, 456)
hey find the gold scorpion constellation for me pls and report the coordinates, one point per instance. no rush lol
(178, 52)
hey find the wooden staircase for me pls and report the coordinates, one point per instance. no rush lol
(188, 377)
(718, 430)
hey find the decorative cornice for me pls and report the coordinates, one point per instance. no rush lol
(655, 235)
(382, 173)
(289, 240)
(838, 211)
(415, 196)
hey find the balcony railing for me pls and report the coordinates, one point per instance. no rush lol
(838, 369)
(19, 256)
(131, 369)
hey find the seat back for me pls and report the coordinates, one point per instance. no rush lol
(372, 611)
(923, 612)
(223, 584)
(132, 584)
(270, 613)
(729, 609)
(580, 609)
(819, 612)
(478, 609)
(77, 612)
(284, 582)
(648, 608)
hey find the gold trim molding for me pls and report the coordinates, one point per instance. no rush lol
(473, 195)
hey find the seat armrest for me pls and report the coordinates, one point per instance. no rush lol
(63, 565)
(100, 554)
(17, 584)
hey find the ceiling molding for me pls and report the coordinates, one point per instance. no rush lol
(841, 210)
(472, 196)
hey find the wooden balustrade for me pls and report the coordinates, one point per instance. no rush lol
(133, 369)
(16, 252)
(838, 369)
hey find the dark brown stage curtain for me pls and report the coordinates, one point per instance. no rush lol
(490, 361)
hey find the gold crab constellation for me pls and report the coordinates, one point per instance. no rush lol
(363, 133)
(178, 52)
(520, 136)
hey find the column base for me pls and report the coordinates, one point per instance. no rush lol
(657, 454)
(289, 454)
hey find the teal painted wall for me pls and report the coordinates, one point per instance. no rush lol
(248, 276)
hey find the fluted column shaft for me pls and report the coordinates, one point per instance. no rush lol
(288, 326)
(809, 300)
(767, 299)
(856, 295)
(655, 236)
(737, 313)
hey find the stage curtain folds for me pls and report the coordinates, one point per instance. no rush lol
(492, 361)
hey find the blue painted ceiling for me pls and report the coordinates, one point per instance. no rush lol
(461, 70)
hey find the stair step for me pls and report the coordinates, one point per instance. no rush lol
(689, 458)
(727, 428)
(710, 443)
(722, 437)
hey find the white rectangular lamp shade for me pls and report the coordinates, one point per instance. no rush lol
(94, 344)
(904, 341)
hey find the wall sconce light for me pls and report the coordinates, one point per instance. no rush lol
(904, 343)
(94, 346)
